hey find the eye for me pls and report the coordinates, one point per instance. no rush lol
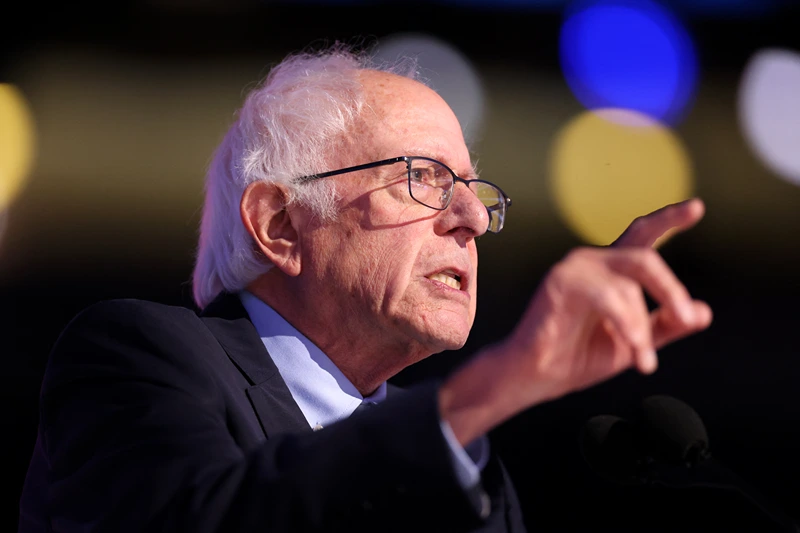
(418, 175)
(422, 175)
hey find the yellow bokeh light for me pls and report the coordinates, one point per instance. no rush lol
(16, 143)
(610, 166)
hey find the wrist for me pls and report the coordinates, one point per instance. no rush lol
(485, 392)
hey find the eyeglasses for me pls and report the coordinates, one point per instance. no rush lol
(431, 183)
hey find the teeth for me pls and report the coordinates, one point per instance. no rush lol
(447, 280)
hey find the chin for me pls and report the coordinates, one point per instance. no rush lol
(434, 336)
(452, 341)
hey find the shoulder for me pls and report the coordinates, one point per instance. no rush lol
(131, 333)
(129, 317)
(131, 309)
(141, 347)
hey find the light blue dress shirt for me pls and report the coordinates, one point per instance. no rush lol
(325, 395)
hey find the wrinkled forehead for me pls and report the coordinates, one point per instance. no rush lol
(402, 116)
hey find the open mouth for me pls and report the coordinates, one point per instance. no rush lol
(448, 277)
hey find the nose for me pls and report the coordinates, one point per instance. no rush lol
(466, 213)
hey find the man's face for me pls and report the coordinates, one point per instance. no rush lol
(391, 272)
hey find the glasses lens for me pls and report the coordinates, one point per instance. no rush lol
(429, 182)
(495, 202)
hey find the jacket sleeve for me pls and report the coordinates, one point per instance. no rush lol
(134, 430)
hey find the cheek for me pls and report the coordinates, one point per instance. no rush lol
(377, 250)
(381, 265)
(473, 254)
(473, 259)
(395, 259)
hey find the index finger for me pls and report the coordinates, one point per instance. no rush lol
(646, 230)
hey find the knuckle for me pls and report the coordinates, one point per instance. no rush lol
(607, 294)
(630, 289)
(640, 336)
(646, 259)
(578, 254)
(574, 261)
(650, 258)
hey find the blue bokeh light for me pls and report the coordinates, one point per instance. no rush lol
(631, 54)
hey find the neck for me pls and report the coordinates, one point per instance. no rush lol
(365, 360)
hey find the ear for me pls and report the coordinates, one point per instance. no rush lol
(266, 219)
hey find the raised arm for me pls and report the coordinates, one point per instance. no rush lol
(587, 322)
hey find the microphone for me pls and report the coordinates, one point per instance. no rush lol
(611, 446)
(668, 445)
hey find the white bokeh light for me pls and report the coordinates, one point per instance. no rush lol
(769, 110)
(448, 71)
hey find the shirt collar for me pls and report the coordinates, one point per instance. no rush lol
(322, 392)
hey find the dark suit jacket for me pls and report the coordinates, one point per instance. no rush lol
(153, 418)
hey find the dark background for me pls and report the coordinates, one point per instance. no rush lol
(111, 209)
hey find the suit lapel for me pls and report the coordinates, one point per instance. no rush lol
(392, 390)
(275, 408)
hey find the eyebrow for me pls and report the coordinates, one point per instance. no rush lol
(472, 173)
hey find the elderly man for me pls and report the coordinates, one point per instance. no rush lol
(337, 247)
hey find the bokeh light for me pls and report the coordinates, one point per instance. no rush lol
(628, 54)
(725, 8)
(507, 4)
(610, 166)
(769, 110)
(3, 226)
(447, 70)
(16, 143)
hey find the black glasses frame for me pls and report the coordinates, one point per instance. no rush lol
(506, 201)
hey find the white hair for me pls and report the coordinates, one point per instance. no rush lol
(286, 128)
